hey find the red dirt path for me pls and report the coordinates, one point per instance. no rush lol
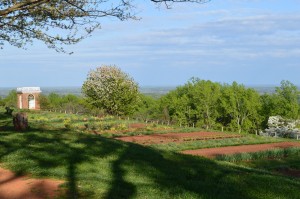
(213, 152)
(22, 187)
(175, 137)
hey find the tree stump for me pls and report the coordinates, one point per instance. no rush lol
(20, 121)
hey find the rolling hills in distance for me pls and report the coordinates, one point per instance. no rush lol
(155, 91)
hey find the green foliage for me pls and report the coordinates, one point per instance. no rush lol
(68, 103)
(268, 108)
(176, 105)
(242, 105)
(109, 88)
(286, 100)
(2, 103)
(147, 109)
(44, 102)
(205, 97)
(67, 123)
(213, 106)
(291, 162)
(269, 154)
(11, 99)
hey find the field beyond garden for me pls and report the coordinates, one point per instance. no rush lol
(88, 155)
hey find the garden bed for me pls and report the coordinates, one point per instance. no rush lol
(213, 152)
(176, 137)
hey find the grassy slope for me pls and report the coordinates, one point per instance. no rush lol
(98, 167)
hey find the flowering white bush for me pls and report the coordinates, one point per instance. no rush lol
(281, 127)
(109, 88)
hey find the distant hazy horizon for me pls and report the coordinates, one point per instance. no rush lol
(76, 90)
(159, 90)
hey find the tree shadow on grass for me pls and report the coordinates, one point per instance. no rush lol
(5, 122)
(120, 188)
(127, 170)
(37, 151)
(179, 174)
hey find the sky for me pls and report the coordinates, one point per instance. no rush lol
(253, 42)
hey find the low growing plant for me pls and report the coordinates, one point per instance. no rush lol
(67, 123)
(269, 154)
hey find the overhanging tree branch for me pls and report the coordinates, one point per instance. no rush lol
(22, 21)
(22, 5)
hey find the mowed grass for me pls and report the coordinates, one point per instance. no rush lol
(97, 167)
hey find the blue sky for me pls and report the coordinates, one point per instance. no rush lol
(254, 42)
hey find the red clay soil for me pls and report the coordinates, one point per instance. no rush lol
(213, 152)
(137, 125)
(175, 137)
(22, 187)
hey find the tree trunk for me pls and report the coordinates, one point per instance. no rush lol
(238, 124)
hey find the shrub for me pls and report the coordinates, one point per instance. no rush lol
(121, 126)
(67, 123)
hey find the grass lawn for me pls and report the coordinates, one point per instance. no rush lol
(94, 166)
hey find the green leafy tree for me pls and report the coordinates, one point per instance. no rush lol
(177, 105)
(11, 99)
(205, 99)
(44, 102)
(55, 101)
(69, 103)
(242, 105)
(60, 22)
(285, 100)
(2, 103)
(147, 108)
(113, 90)
(197, 102)
(73, 104)
(267, 108)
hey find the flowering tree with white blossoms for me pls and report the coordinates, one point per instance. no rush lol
(113, 90)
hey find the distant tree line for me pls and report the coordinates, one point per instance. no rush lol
(234, 107)
(63, 103)
(198, 103)
(69, 103)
